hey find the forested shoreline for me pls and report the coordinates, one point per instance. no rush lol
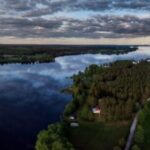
(48, 53)
(119, 90)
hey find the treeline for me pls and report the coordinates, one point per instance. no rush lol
(54, 138)
(25, 59)
(33, 53)
(60, 50)
(118, 90)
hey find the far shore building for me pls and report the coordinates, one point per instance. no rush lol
(106, 65)
(135, 62)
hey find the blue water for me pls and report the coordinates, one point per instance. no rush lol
(30, 96)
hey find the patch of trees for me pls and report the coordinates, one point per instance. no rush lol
(25, 59)
(121, 144)
(54, 138)
(118, 90)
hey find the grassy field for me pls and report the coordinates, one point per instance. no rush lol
(146, 127)
(98, 136)
(142, 133)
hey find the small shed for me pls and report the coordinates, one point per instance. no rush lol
(74, 124)
(71, 118)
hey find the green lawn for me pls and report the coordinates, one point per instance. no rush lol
(142, 134)
(97, 136)
(146, 126)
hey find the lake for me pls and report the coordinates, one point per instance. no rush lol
(30, 96)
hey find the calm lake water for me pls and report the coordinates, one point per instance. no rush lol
(30, 96)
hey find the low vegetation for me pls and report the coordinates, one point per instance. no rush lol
(142, 135)
(54, 138)
(99, 135)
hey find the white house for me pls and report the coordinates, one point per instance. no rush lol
(96, 110)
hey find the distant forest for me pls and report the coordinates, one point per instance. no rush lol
(47, 53)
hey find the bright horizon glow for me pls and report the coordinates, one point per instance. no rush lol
(79, 41)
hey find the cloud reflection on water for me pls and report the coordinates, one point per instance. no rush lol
(30, 94)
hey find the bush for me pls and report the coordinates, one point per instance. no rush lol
(139, 135)
(117, 148)
(122, 142)
(53, 139)
(86, 113)
(141, 117)
(135, 147)
(70, 108)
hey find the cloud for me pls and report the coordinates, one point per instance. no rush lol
(46, 7)
(24, 19)
(94, 27)
(132, 4)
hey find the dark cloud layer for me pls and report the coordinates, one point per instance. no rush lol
(23, 18)
(93, 27)
(41, 7)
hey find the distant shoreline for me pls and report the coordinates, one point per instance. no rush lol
(27, 54)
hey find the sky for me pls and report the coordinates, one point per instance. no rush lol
(75, 22)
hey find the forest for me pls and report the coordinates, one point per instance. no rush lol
(47, 53)
(118, 91)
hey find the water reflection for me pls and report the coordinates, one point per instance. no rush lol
(30, 95)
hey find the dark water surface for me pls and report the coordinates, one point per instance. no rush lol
(30, 96)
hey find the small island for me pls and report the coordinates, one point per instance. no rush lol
(106, 98)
